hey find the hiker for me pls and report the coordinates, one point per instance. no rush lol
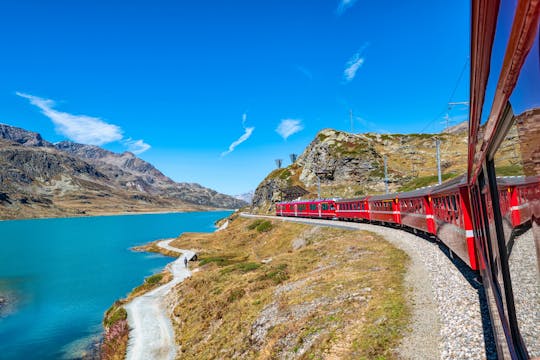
(185, 261)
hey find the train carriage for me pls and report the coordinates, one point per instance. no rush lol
(353, 209)
(452, 219)
(384, 208)
(416, 210)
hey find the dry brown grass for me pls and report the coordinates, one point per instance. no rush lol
(338, 295)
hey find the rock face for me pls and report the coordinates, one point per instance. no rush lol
(348, 165)
(38, 178)
(22, 136)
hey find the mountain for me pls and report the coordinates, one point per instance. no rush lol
(349, 165)
(40, 179)
(247, 197)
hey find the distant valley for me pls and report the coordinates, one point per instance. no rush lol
(41, 179)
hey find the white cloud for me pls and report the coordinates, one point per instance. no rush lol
(344, 5)
(241, 139)
(80, 128)
(136, 146)
(247, 133)
(287, 127)
(354, 63)
(305, 71)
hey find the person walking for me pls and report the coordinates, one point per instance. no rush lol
(185, 261)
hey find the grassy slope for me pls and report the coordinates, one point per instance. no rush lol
(338, 295)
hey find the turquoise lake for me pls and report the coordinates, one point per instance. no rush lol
(60, 275)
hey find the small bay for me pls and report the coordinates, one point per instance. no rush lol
(60, 275)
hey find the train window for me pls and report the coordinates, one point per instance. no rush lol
(331, 206)
(325, 206)
(517, 170)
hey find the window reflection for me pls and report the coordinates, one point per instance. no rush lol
(517, 166)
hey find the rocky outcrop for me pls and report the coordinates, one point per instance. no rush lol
(21, 136)
(347, 165)
(38, 178)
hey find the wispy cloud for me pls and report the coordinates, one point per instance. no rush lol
(247, 133)
(287, 127)
(354, 63)
(305, 71)
(369, 126)
(344, 5)
(136, 146)
(83, 128)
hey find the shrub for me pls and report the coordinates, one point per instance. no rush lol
(254, 224)
(235, 294)
(243, 267)
(277, 274)
(265, 226)
(154, 279)
(218, 260)
(114, 316)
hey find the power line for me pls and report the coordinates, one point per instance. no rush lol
(451, 96)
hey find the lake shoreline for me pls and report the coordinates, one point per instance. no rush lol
(159, 212)
(85, 295)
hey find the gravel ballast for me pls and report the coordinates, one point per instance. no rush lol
(446, 318)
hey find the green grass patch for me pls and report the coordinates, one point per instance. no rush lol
(235, 295)
(115, 313)
(260, 225)
(224, 260)
(154, 279)
(276, 274)
(509, 170)
(265, 226)
(285, 174)
(243, 268)
(254, 224)
(422, 181)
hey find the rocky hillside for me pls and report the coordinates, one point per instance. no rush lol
(353, 164)
(40, 179)
(350, 165)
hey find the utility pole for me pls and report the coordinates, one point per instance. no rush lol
(438, 143)
(385, 175)
(352, 122)
(318, 187)
(293, 158)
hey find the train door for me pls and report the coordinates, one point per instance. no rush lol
(295, 209)
(396, 211)
(319, 207)
(430, 220)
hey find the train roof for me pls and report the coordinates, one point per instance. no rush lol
(298, 201)
(517, 180)
(383, 197)
(416, 193)
(362, 198)
(451, 184)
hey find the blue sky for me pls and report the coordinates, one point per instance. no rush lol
(213, 91)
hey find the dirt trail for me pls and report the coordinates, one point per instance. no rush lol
(151, 334)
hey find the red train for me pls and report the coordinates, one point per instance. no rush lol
(443, 211)
(492, 222)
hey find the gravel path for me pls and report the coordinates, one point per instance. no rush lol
(151, 334)
(446, 313)
(526, 286)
